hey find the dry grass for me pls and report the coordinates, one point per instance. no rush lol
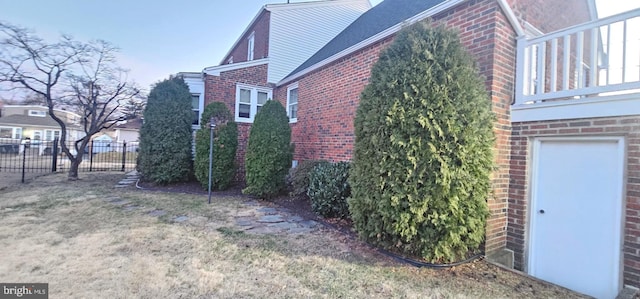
(66, 234)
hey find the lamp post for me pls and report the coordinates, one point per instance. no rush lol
(212, 126)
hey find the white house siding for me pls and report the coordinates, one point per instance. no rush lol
(196, 86)
(127, 135)
(297, 32)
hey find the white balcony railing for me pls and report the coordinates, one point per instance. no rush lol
(586, 60)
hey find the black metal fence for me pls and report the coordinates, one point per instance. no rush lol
(47, 156)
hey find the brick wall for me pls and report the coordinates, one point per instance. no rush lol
(543, 14)
(261, 40)
(223, 89)
(628, 127)
(328, 98)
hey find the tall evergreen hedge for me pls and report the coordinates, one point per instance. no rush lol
(165, 137)
(420, 176)
(269, 152)
(225, 144)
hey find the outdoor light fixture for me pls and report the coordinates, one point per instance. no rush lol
(212, 125)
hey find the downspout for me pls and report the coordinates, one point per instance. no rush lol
(520, 37)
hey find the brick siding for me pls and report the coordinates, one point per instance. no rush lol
(261, 40)
(223, 89)
(328, 98)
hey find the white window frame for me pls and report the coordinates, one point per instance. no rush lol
(197, 124)
(253, 108)
(289, 104)
(16, 132)
(251, 46)
(52, 134)
(230, 61)
(38, 113)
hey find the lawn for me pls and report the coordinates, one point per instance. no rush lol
(88, 239)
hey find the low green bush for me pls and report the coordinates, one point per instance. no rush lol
(329, 189)
(298, 179)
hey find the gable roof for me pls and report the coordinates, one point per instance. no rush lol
(382, 20)
(131, 124)
(17, 119)
(281, 7)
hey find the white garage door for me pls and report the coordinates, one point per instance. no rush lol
(576, 204)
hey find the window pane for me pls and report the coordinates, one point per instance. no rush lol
(293, 111)
(196, 117)
(5, 133)
(293, 96)
(262, 97)
(195, 101)
(245, 96)
(244, 111)
(18, 133)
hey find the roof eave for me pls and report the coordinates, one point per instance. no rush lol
(216, 70)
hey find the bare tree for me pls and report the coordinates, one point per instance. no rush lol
(133, 108)
(78, 76)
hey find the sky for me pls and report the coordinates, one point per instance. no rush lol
(159, 37)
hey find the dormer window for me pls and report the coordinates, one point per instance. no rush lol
(250, 46)
(37, 113)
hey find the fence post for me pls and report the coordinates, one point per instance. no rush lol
(24, 161)
(124, 154)
(90, 157)
(54, 154)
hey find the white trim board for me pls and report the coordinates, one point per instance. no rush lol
(216, 70)
(604, 106)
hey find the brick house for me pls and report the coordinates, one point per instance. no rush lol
(278, 39)
(566, 191)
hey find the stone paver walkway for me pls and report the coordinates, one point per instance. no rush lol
(251, 217)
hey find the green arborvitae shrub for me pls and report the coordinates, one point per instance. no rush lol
(298, 179)
(165, 137)
(269, 151)
(225, 144)
(420, 176)
(329, 189)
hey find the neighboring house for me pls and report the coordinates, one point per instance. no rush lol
(126, 131)
(566, 190)
(18, 122)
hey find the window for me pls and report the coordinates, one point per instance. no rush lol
(8, 132)
(249, 100)
(230, 61)
(250, 46)
(195, 106)
(50, 135)
(37, 113)
(292, 102)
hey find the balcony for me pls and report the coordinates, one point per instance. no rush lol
(588, 70)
